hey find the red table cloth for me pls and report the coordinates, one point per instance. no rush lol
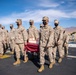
(32, 47)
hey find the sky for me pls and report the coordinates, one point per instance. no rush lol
(62, 10)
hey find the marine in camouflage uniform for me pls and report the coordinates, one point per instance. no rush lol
(1, 41)
(33, 35)
(12, 38)
(21, 37)
(65, 42)
(4, 38)
(8, 39)
(46, 39)
(58, 40)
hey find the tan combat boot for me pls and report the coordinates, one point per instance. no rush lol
(41, 68)
(54, 62)
(51, 65)
(1, 55)
(26, 60)
(12, 52)
(60, 60)
(17, 62)
(63, 56)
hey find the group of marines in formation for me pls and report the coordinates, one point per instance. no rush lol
(50, 40)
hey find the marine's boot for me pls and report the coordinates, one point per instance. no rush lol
(54, 62)
(12, 52)
(60, 60)
(41, 68)
(25, 60)
(1, 55)
(17, 62)
(51, 65)
(63, 56)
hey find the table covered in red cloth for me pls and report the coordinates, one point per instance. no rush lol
(32, 47)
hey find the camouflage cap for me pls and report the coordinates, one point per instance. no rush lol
(56, 21)
(31, 21)
(45, 18)
(19, 20)
(3, 27)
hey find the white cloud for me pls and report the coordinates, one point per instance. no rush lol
(62, 2)
(47, 3)
(36, 15)
(73, 14)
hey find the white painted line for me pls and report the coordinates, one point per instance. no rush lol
(8, 51)
(71, 56)
(72, 45)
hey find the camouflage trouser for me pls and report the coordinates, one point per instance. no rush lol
(7, 43)
(1, 48)
(4, 45)
(42, 54)
(18, 48)
(65, 49)
(12, 45)
(60, 51)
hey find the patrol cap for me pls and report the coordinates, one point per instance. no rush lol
(31, 21)
(3, 27)
(56, 21)
(19, 20)
(45, 18)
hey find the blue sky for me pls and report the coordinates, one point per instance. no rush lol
(63, 10)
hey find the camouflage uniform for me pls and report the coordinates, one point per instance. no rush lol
(33, 35)
(20, 39)
(32, 31)
(1, 41)
(12, 38)
(74, 37)
(8, 39)
(58, 41)
(65, 42)
(41, 26)
(46, 40)
(4, 38)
